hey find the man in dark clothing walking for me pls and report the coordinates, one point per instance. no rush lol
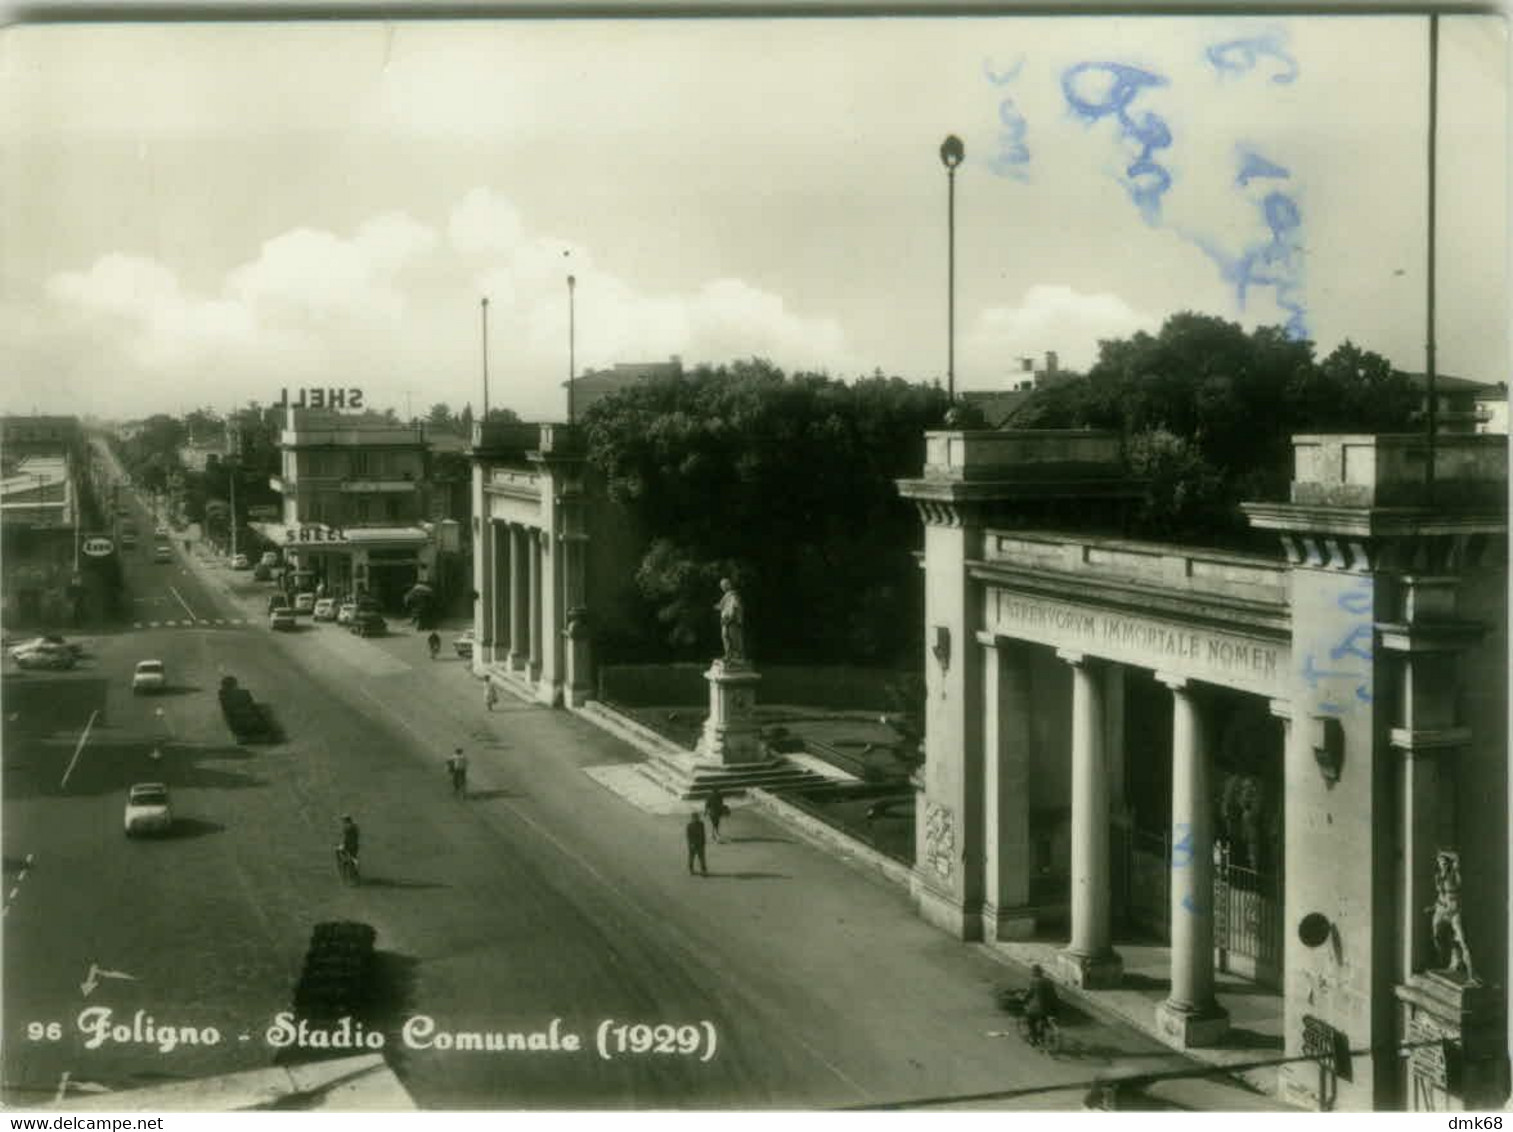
(695, 834)
(716, 809)
(1040, 1002)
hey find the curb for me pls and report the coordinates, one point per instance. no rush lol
(817, 833)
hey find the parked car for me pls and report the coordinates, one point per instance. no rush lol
(241, 562)
(148, 809)
(150, 676)
(43, 655)
(275, 600)
(345, 612)
(368, 623)
(162, 554)
(262, 573)
(464, 644)
(282, 618)
(269, 559)
(325, 609)
(304, 602)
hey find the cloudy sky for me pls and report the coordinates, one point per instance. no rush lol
(203, 214)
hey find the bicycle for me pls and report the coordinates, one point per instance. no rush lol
(1049, 1041)
(346, 866)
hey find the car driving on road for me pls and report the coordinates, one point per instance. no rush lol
(325, 609)
(148, 809)
(162, 554)
(464, 644)
(150, 676)
(282, 618)
(345, 612)
(241, 562)
(43, 654)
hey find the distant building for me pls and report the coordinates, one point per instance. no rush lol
(999, 406)
(595, 385)
(41, 474)
(1492, 409)
(1458, 402)
(354, 506)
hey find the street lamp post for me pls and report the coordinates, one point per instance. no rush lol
(485, 359)
(572, 337)
(952, 152)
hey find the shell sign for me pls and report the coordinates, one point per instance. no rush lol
(97, 546)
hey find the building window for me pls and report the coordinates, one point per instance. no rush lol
(391, 508)
(362, 463)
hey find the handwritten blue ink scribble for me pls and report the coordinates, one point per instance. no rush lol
(1253, 166)
(1182, 846)
(1001, 78)
(1013, 154)
(1348, 646)
(1191, 906)
(1312, 674)
(1275, 262)
(1241, 56)
(1356, 601)
(1146, 180)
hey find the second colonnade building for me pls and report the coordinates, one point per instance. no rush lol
(530, 542)
(1257, 761)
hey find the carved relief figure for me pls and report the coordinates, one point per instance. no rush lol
(1445, 927)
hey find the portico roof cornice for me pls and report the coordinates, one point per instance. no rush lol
(1268, 619)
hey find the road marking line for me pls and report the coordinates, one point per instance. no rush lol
(192, 617)
(136, 625)
(154, 624)
(77, 750)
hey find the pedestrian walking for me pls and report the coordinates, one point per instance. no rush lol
(715, 809)
(433, 642)
(491, 694)
(457, 767)
(694, 831)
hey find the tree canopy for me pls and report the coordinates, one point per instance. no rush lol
(785, 484)
(1208, 411)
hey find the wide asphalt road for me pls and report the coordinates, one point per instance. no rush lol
(542, 897)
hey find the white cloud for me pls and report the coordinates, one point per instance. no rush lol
(484, 222)
(393, 307)
(1051, 316)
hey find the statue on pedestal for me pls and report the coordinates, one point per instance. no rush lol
(732, 621)
(1454, 954)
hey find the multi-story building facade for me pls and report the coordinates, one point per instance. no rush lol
(354, 506)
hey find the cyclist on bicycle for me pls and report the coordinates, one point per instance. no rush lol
(433, 642)
(1040, 1003)
(351, 836)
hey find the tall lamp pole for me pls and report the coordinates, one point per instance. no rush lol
(952, 152)
(1430, 382)
(572, 338)
(485, 305)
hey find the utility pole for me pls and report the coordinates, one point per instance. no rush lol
(572, 363)
(1430, 383)
(233, 510)
(485, 359)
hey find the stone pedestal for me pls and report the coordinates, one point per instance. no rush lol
(1103, 971)
(731, 735)
(1456, 1055)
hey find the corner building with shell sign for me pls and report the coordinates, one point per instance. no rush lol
(1278, 767)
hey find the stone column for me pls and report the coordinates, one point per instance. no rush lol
(1006, 912)
(500, 588)
(520, 618)
(577, 685)
(533, 603)
(1089, 960)
(1191, 1016)
(488, 595)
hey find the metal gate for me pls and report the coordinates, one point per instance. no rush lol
(1247, 903)
(1247, 919)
